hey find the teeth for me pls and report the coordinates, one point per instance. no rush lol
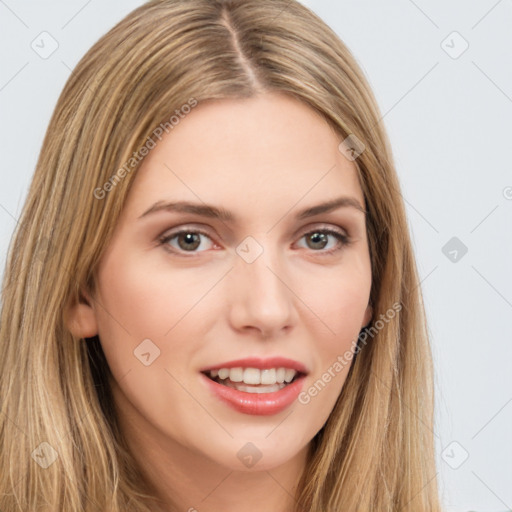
(268, 376)
(254, 389)
(255, 376)
(223, 373)
(252, 376)
(236, 374)
(289, 374)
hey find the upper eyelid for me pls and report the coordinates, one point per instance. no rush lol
(304, 230)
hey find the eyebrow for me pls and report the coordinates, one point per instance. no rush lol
(220, 213)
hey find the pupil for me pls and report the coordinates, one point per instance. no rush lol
(322, 237)
(189, 239)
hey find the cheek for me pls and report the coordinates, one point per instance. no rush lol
(346, 308)
(138, 301)
(340, 299)
(340, 304)
(143, 299)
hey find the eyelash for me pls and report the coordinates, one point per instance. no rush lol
(343, 240)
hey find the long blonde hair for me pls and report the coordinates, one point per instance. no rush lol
(376, 450)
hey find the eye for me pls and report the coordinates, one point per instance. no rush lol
(188, 240)
(319, 239)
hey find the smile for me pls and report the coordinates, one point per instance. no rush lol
(254, 380)
(255, 399)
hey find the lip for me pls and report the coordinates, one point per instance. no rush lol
(260, 363)
(261, 404)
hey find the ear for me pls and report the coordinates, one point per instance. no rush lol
(80, 318)
(367, 316)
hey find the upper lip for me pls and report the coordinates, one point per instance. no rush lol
(262, 364)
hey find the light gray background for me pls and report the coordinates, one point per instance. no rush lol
(449, 120)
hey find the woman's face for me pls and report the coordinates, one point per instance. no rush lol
(267, 282)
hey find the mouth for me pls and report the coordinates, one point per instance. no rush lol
(255, 391)
(254, 380)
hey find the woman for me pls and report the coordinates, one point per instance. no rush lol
(211, 300)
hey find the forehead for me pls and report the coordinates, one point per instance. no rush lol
(263, 152)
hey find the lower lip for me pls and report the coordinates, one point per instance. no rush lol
(261, 404)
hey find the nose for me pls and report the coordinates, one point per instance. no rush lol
(260, 297)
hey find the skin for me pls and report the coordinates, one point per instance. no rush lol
(264, 159)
